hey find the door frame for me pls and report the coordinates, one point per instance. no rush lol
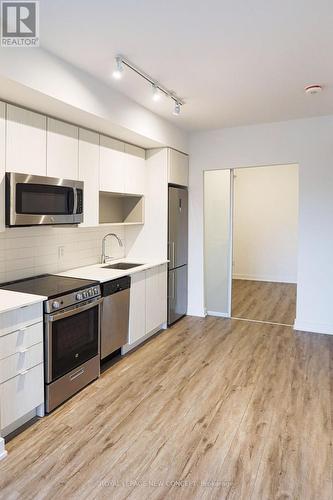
(228, 313)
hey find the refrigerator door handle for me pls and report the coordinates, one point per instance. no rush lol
(173, 253)
(172, 291)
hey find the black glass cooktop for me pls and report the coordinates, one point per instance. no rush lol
(48, 285)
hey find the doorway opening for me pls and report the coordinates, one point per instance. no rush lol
(251, 225)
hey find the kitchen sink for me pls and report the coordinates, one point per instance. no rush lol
(122, 265)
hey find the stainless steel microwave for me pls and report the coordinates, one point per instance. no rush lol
(33, 200)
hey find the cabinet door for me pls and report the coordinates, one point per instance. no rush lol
(135, 171)
(21, 394)
(156, 297)
(178, 168)
(62, 150)
(25, 141)
(89, 174)
(137, 316)
(112, 157)
(2, 164)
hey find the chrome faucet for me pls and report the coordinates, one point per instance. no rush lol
(105, 257)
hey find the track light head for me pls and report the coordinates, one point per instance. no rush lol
(156, 93)
(177, 109)
(117, 73)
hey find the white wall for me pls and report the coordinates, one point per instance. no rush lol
(306, 142)
(265, 223)
(40, 80)
(30, 251)
(217, 240)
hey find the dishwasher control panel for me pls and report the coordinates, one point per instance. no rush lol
(116, 285)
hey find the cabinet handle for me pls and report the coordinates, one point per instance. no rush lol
(22, 330)
(23, 351)
(77, 374)
(24, 372)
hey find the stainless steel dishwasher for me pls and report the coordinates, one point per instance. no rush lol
(114, 315)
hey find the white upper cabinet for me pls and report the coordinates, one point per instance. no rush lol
(89, 174)
(62, 150)
(2, 164)
(135, 170)
(25, 141)
(112, 164)
(178, 165)
(156, 297)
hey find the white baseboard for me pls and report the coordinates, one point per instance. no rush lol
(304, 326)
(272, 279)
(201, 313)
(3, 452)
(219, 314)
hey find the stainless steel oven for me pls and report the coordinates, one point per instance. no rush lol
(33, 200)
(72, 345)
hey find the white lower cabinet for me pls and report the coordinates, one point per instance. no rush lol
(21, 367)
(156, 297)
(20, 362)
(20, 340)
(137, 320)
(21, 394)
(148, 304)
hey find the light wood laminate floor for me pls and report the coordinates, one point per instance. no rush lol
(264, 301)
(211, 408)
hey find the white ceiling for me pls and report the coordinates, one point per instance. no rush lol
(233, 61)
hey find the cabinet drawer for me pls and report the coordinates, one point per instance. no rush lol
(20, 340)
(20, 362)
(18, 319)
(21, 394)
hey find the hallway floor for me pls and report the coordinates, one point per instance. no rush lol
(264, 301)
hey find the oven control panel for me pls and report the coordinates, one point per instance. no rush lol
(58, 303)
(88, 293)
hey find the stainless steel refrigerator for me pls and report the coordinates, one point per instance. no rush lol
(177, 253)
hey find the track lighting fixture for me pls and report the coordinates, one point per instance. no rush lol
(117, 74)
(158, 89)
(156, 93)
(176, 110)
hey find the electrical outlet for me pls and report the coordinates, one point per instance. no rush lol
(61, 252)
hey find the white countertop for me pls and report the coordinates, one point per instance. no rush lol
(99, 273)
(14, 300)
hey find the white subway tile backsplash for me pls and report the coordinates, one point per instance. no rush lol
(26, 252)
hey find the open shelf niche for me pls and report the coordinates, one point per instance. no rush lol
(121, 209)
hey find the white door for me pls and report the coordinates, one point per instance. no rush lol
(62, 150)
(135, 170)
(112, 163)
(156, 297)
(25, 141)
(218, 241)
(137, 318)
(2, 165)
(89, 174)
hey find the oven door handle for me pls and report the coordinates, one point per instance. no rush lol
(73, 311)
